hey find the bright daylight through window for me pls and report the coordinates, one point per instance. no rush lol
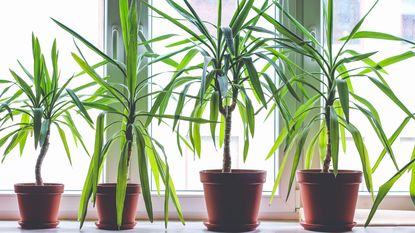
(186, 170)
(399, 21)
(33, 17)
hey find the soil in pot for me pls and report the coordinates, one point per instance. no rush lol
(38, 204)
(232, 199)
(106, 207)
(329, 202)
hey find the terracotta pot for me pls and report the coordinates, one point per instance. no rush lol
(329, 202)
(38, 205)
(232, 199)
(106, 207)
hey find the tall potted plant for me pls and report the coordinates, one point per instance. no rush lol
(117, 202)
(329, 195)
(229, 78)
(42, 103)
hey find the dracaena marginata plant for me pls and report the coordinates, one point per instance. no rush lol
(229, 78)
(130, 129)
(42, 102)
(329, 109)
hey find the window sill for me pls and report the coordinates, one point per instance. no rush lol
(265, 227)
(383, 217)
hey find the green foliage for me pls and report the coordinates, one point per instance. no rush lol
(331, 115)
(40, 101)
(229, 76)
(132, 133)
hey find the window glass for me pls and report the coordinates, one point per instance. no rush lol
(394, 17)
(185, 170)
(18, 19)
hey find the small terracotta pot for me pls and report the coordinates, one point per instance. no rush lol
(106, 207)
(329, 202)
(232, 199)
(38, 204)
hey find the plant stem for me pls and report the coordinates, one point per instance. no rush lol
(42, 154)
(226, 168)
(327, 160)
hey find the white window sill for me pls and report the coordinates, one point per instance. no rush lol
(384, 217)
(265, 227)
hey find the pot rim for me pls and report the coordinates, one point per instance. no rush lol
(237, 176)
(318, 171)
(233, 171)
(110, 188)
(316, 176)
(49, 188)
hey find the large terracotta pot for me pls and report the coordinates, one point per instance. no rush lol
(329, 202)
(232, 199)
(38, 204)
(106, 207)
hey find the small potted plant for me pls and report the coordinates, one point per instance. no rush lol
(43, 104)
(229, 80)
(117, 202)
(329, 195)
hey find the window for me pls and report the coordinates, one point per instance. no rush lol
(18, 20)
(346, 19)
(408, 19)
(399, 79)
(185, 170)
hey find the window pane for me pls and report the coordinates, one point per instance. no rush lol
(397, 18)
(185, 170)
(19, 19)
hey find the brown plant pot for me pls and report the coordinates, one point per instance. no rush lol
(106, 207)
(232, 199)
(329, 202)
(38, 204)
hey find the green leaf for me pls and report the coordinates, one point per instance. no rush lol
(180, 104)
(364, 156)
(203, 82)
(385, 188)
(334, 138)
(79, 104)
(214, 114)
(390, 61)
(388, 92)
(391, 140)
(143, 170)
(23, 133)
(253, 75)
(90, 46)
(281, 137)
(250, 115)
(377, 35)
(64, 142)
(227, 32)
(122, 182)
(344, 96)
(296, 160)
(37, 124)
(311, 150)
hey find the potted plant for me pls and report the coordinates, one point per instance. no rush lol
(228, 79)
(329, 195)
(42, 102)
(117, 202)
